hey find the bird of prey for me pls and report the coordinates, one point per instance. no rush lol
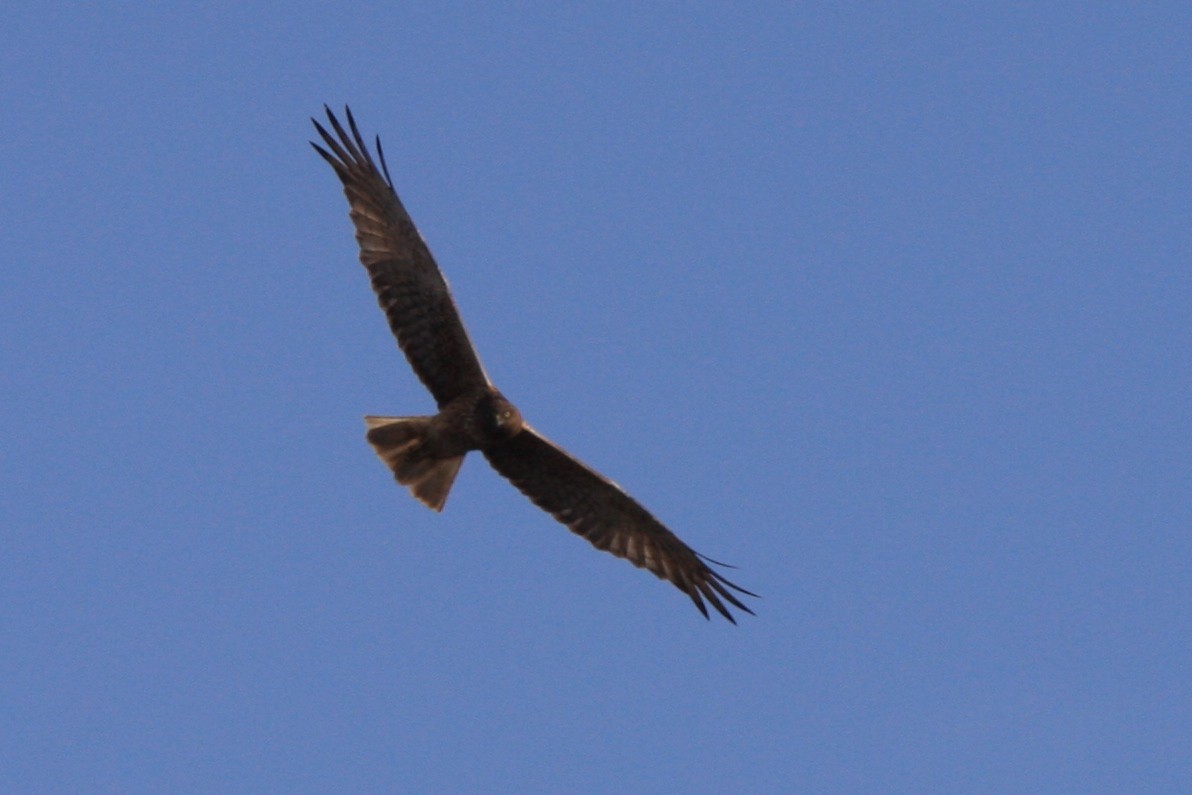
(425, 453)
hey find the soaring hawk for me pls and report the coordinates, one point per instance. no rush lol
(425, 453)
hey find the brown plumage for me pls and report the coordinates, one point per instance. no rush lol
(425, 453)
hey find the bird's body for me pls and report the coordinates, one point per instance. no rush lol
(425, 453)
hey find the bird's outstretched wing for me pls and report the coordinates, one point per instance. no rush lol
(411, 290)
(597, 509)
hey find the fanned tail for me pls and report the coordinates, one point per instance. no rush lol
(399, 443)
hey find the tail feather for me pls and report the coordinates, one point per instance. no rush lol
(398, 441)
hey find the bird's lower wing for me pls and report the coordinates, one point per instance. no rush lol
(597, 509)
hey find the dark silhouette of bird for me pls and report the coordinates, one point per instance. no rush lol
(425, 453)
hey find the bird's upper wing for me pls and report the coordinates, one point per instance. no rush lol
(597, 509)
(411, 290)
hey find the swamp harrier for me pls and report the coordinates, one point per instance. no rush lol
(425, 453)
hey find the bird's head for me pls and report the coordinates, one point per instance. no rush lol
(502, 417)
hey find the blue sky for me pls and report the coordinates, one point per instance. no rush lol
(886, 305)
